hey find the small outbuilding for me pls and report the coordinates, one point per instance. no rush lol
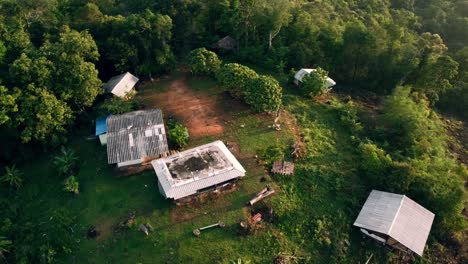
(304, 72)
(196, 170)
(227, 43)
(101, 129)
(395, 220)
(121, 84)
(136, 137)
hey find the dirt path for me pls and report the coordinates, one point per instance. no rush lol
(199, 113)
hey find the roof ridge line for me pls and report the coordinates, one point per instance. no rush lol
(396, 215)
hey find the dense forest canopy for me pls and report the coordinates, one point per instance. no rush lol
(56, 54)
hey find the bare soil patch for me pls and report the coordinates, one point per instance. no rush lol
(200, 113)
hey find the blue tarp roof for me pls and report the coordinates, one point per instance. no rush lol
(101, 126)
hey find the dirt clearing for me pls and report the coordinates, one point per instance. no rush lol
(199, 112)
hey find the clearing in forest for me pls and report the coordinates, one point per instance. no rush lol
(199, 112)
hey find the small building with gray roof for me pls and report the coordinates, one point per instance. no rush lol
(395, 220)
(121, 84)
(135, 137)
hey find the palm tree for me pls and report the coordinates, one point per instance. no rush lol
(5, 246)
(13, 176)
(66, 161)
(72, 185)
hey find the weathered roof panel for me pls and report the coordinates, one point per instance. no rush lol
(135, 135)
(121, 84)
(397, 216)
(179, 184)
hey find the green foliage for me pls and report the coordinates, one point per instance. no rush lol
(43, 116)
(65, 161)
(264, 94)
(203, 61)
(412, 126)
(322, 231)
(138, 42)
(5, 245)
(71, 185)
(178, 135)
(12, 176)
(436, 77)
(272, 153)
(315, 83)
(7, 104)
(236, 78)
(117, 105)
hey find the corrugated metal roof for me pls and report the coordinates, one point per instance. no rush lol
(304, 72)
(178, 189)
(135, 135)
(101, 126)
(397, 216)
(121, 84)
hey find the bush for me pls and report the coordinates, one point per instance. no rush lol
(117, 105)
(235, 78)
(203, 61)
(264, 94)
(272, 153)
(72, 185)
(315, 83)
(178, 135)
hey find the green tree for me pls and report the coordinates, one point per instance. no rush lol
(315, 83)
(179, 135)
(42, 116)
(264, 94)
(13, 176)
(235, 78)
(7, 104)
(139, 42)
(65, 161)
(72, 185)
(436, 76)
(203, 61)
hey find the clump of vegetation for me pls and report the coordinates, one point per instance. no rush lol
(65, 161)
(178, 135)
(272, 153)
(116, 105)
(71, 185)
(315, 83)
(203, 61)
(236, 78)
(13, 176)
(264, 94)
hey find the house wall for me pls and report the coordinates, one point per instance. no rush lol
(129, 163)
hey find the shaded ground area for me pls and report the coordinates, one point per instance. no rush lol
(199, 112)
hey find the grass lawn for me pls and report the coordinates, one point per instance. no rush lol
(325, 189)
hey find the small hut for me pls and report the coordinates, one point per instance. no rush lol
(305, 72)
(227, 43)
(396, 221)
(283, 167)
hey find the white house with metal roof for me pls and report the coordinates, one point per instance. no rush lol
(195, 170)
(395, 220)
(135, 137)
(121, 84)
(304, 72)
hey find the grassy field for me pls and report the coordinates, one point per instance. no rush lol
(314, 209)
